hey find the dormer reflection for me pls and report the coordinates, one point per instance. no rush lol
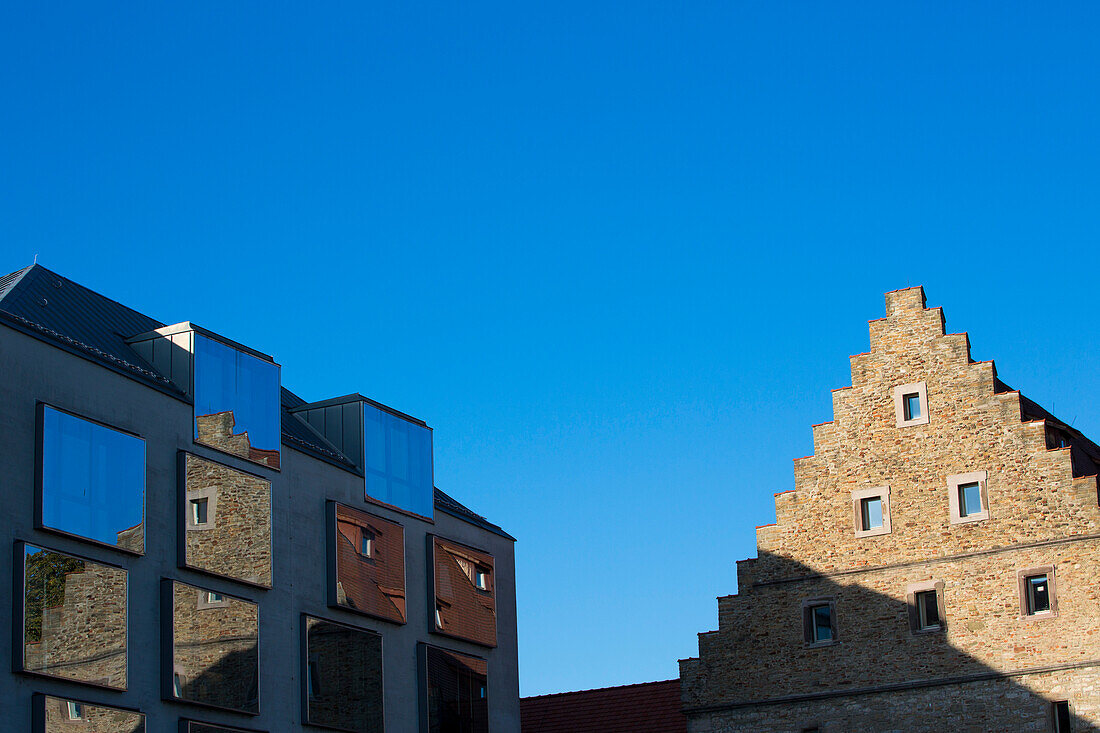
(236, 402)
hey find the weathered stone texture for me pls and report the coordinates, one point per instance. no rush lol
(1042, 500)
(236, 541)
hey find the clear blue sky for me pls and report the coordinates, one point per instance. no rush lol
(616, 254)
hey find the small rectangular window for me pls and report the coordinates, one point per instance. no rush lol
(366, 544)
(1063, 722)
(871, 511)
(199, 511)
(482, 579)
(928, 610)
(822, 620)
(970, 499)
(912, 406)
(76, 710)
(1038, 595)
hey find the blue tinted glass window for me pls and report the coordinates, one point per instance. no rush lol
(912, 406)
(398, 457)
(823, 623)
(872, 513)
(970, 499)
(93, 481)
(236, 402)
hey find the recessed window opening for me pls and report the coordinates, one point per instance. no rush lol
(821, 619)
(481, 578)
(970, 499)
(871, 513)
(928, 610)
(76, 710)
(911, 406)
(212, 597)
(199, 509)
(366, 544)
(1038, 594)
(177, 685)
(1062, 720)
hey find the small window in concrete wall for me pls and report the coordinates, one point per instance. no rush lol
(926, 607)
(465, 605)
(968, 497)
(454, 691)
(227, 521)
(62, 715)
(91, 480)
(213, 653)
(871, 511)
(366, 564)
(341, 676)
(1037, 592)
(73, 616)
(819, 621)
(911, 404)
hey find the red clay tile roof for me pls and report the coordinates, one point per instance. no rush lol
(652, 707)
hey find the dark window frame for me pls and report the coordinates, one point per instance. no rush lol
(912, 599)
(1022, 577)
(808, 626)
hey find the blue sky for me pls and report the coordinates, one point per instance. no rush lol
(616, 254)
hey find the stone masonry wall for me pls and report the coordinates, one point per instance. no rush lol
(1040, 514)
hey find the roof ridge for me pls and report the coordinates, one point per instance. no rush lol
(9, 281)
(603, 689)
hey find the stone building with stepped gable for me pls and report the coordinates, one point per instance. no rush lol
(935, 567)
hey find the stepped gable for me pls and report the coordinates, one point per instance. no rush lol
(1039, 468)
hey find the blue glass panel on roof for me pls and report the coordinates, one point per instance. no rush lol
(398, 461)
(236, 402)
(93, 481)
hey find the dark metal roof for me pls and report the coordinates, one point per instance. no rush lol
(43, 304)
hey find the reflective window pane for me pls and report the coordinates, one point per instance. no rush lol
(970, 499)
(1038, 594)
(93, 481)
(912, 406)
(236, 402)
(872, 513)
(398, 457)
(214, 649)
(464, 593)
(227, 515)
(73, 716)
(74, 618)
(823, 624)
(343, 679)
(370, 564)
(458, 692)
(928, 607)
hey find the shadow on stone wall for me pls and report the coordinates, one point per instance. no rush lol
(760, 672)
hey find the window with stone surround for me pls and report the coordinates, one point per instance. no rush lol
(911, 404)
(1037, 590)
(968, 497)
(871, 511)
(926, 607)
(819, 621)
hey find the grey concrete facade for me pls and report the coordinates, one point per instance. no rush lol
(33, 370)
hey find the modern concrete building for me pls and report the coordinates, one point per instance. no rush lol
(935, 567)
(194, 547)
